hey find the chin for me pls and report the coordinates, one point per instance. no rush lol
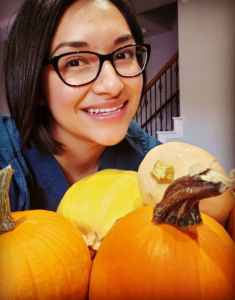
(113, 139)
(111, 142)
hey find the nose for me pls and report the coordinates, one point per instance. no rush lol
(108, 81)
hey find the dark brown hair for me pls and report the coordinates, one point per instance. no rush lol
(27, 45)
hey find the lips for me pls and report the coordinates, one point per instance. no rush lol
(104, 111)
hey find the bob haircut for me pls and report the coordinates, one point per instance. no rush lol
(27, 45)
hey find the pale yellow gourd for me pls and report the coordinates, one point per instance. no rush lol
(176, 158)
(94, 203)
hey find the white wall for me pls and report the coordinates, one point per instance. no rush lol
(207, 76)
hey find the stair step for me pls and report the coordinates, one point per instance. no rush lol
(170, 136)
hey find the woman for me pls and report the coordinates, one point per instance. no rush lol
(74, 75)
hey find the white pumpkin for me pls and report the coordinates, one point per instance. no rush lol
(181, 156)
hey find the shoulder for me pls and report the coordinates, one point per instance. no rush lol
(139, 139)
(10, 155)
(6, 122)
(37, 181)
(10, 141)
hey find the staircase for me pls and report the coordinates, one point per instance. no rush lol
(160, 106)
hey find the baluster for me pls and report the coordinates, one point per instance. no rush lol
(177, 88)
(155, 108)
(141, 110)
(171, 80)
(160, 113)
(166, 101)
(146, 115)
(150, 111)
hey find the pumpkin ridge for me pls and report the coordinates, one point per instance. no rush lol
(27, 263)
(39, 238)
(218, 251)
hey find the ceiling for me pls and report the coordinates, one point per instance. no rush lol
(156, 16)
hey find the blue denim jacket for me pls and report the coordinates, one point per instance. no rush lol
(38, 181)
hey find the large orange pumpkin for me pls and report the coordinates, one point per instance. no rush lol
(145, 257)
(231, 224)
(231, 219)
(43, 257)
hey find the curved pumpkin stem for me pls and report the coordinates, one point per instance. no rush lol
(7, 223)
(180, 203)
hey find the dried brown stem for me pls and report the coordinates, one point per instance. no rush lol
(180, 203)
(7, 223)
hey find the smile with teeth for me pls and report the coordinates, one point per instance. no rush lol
(104, 111)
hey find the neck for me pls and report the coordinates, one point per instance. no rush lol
(79, 163)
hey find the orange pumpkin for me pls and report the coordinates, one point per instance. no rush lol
(145, 256)
(43, 257)
(231, 218)
(231, 224)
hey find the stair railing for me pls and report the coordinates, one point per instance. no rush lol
(160, 102)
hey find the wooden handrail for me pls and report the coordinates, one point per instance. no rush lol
(159, 110)
(161, 72)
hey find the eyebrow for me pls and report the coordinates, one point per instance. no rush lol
(73, 44)
(123, 39)
(79, 44)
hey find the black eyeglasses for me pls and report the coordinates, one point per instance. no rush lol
(82, 67)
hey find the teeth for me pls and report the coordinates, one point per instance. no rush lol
(104, 110)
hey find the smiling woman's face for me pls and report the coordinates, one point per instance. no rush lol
(98, 112)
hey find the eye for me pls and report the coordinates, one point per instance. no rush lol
(74, 62)
(125, 54)
(78, 63)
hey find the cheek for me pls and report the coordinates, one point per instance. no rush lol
(57, 94)
(53, 89)
(136, 89)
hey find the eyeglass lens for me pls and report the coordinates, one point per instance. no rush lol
(80, 68)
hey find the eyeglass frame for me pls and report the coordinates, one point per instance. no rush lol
(102, 58)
